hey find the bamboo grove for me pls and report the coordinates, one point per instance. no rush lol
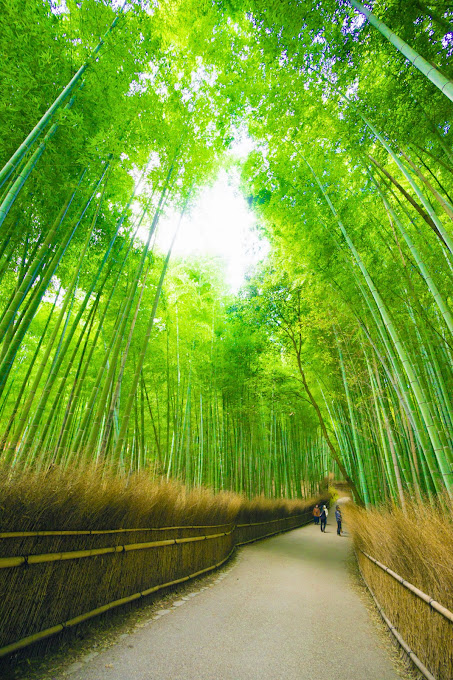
(336, 355)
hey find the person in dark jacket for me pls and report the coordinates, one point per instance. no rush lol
(323, 517)
(338, 518)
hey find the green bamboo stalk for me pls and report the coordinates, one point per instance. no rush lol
(446, 314)
(53, 375)
(394, 487)
(116, 390)
(444, 148)
(40, 258)
(59, 450)
(396, 378)
(364, 485)
(34, 134)
(20, 332)
(431, 72)
(83, 429)
(390, 437)
(118, 332)
(126, 415)
(67, 431)
(404, 357)
(26, 171)
(31, 435)
(27, 376)
(39, 443)
(409, 198)
(446, 238)
(446, 205)
(443, 234)
(23, 420)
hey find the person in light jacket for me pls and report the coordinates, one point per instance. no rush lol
(323, 517)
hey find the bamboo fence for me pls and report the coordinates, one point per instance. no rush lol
(52, 580)
(403, 644)
(421, 625)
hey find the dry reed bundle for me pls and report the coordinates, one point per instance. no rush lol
(36, 597)
(95, 498)
(417, 545)
(260, 509)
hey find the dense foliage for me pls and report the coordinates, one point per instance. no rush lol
(337, 354)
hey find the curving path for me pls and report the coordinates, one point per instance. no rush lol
(284, 611)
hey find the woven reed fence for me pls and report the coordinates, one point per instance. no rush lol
(50, 581)
(422, 626)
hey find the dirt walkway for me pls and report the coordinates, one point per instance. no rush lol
(285, 611)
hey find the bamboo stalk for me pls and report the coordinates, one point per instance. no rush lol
(431, 72)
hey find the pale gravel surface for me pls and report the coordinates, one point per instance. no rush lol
(285, 611)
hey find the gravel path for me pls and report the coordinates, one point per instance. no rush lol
(285, 611)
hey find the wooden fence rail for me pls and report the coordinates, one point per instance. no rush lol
(419, 593)
(99, 532)
(7, 562)
(426, 638)
(411, 654)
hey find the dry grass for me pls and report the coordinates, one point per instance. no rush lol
(93, 498)
(40, 596)
(417, 545)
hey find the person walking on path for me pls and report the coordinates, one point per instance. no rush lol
(338, 518)
(323, 517)
(316, 513)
